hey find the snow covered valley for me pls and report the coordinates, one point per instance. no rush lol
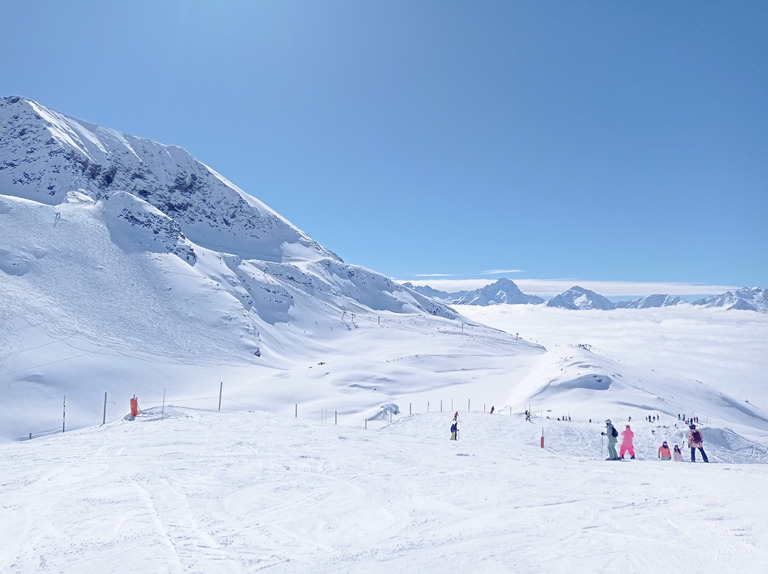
(287, 489)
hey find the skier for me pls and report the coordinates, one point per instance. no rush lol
(696, 441)
(492, 409)
(611, 433)
(677, 455)
(454, 430)
(456, 416)
(664, 452)
(626, 443)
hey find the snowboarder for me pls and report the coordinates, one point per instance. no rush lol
(454, 430)
(696, 441)
(664, 452)
(677, 455)
(611, 433)
(626, 443)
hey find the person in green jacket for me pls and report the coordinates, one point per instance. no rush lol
(609, 432)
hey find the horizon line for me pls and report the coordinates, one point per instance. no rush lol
(553, 287)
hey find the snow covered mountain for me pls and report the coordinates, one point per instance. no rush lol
(116, 246)
(744, 299)
(501, 292)
(127, 267)
(158, 199)
(579, 298)
(651, 301)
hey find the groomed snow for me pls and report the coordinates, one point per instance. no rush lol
(255, 492)
(182, 489)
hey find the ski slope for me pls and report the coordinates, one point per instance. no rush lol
(201, 491)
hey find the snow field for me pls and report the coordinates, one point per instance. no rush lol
(259, 492)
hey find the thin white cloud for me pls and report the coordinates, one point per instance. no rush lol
(435, 275)
(501, 271)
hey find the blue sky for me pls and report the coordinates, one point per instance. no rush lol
(592, 141)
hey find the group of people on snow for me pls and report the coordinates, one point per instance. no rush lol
(695, 441)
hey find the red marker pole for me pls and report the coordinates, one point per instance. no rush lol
(542, 437)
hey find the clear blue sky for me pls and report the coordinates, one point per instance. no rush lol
(616, 141)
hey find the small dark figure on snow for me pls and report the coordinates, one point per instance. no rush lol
(454, 431)
(696, 441)
(456, 416)
(493, 409)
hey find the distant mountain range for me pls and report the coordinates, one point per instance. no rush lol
(506, 292)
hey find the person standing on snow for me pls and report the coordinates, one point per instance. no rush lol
(677, 455)
(612, 434)
(696, 441)
(664, 452)
(626, 443)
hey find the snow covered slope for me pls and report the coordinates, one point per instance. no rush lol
(126, 267)
(657, 300)
(223, 493)
(744, 299)
(109, 285)
(670, 361)
(46, 156)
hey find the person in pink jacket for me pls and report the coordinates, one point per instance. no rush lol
(626, 443)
